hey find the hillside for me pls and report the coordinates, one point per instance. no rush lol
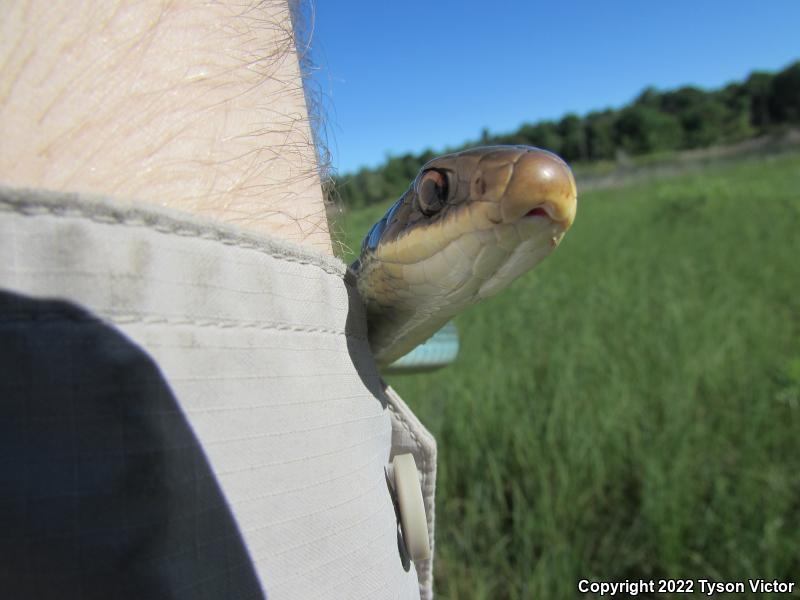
(655, 123)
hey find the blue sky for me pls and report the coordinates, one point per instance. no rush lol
(403, 76)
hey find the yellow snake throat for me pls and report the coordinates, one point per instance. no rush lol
(468, 225)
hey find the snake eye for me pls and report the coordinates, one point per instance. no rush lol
(432, 192)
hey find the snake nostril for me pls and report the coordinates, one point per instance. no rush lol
(480, 184)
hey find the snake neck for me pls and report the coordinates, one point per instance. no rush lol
(407, 303)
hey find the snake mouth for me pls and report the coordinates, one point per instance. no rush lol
(539, 185)
(549, 212)
(539, 211)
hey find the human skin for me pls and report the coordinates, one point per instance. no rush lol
(192, 105)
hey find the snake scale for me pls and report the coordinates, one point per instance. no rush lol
(469, 224)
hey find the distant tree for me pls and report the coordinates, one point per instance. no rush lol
(737, 124)
(758, 87)
(677, 102)
(573, 138)
(397, 172)
(784, 100)
(349, 190)
(426, 155)
(703, 122)
(374, 185)
(412, 165)
(600, 135)
(641, 129)
(514, 139)
(649, 97)
(543, 135)
(525, 134)
(685, 117)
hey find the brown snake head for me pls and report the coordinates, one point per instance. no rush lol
(468, 225)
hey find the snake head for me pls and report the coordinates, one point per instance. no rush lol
(469, 224)
(512, 181)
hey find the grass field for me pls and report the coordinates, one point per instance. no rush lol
(630, 409)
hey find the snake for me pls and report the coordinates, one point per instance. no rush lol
(469, 224)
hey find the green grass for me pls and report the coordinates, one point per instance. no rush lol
(631, 408)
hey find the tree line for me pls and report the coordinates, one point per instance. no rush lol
(656, 121)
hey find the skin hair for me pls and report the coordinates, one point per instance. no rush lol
(193, 105)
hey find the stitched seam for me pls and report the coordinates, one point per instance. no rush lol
(413, 435)
(160, 224)
(167, 224)
(131, 318)
(424, 454)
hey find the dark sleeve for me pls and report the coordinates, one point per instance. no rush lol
(105, 493)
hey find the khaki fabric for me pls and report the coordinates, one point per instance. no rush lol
(409, 435)
(263, 346)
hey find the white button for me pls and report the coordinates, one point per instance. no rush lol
(412, 508)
